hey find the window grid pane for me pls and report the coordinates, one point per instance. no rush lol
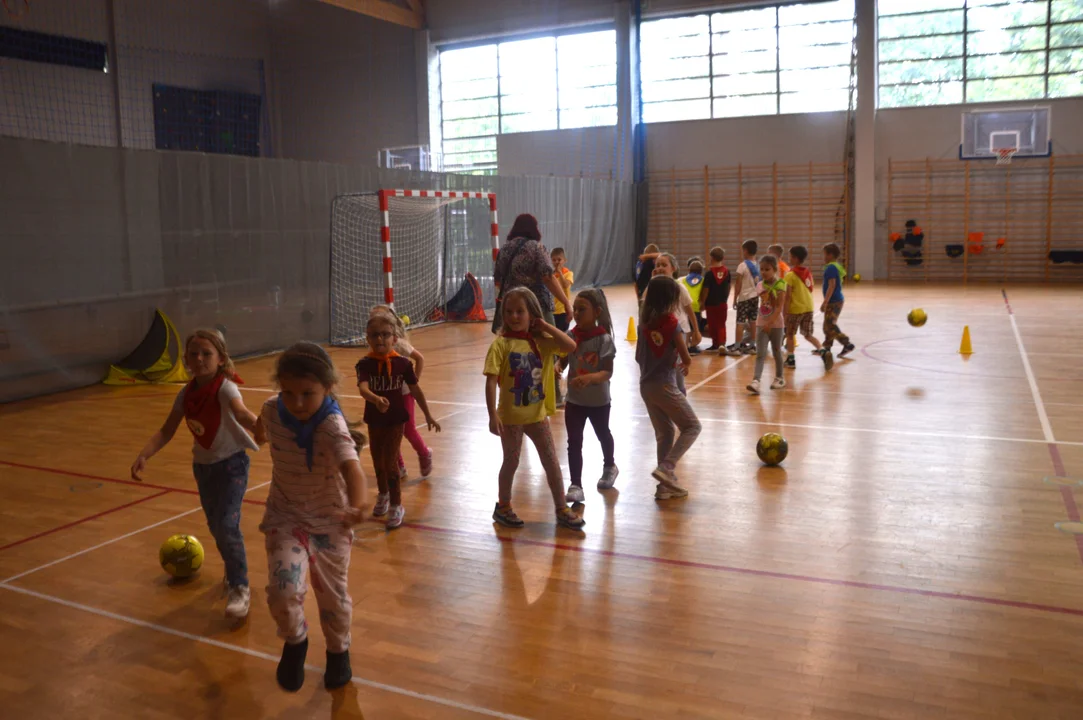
(922, 49)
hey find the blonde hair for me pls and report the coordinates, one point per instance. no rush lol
(650, 248)
(218, 341)
(533, 307)
(402, 344)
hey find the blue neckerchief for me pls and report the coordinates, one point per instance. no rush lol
(694, 279)
(305, 432)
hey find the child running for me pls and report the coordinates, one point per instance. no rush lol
(317, 487)
(798, 304)
(212, 408)
(519, 366)
(716, 296)
(834, 274)
(405, 349)
(590, 367)
(381, 377)
(661, 343)
(770, 323)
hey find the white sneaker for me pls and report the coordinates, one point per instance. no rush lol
(778, 384)
(395, 516)
(753, 387)
(574, 494)
(609, 477)
(237, 602)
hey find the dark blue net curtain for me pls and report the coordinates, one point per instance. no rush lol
(210, 121)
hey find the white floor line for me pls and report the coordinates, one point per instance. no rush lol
(84, 551)
(255, 653)
(271, 391)
(878, 431)
(709, 378)
(1047, 429)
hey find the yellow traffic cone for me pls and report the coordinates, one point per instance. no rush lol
(632, 336)
(964, 346)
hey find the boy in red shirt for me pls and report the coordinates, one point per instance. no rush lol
(715, 296)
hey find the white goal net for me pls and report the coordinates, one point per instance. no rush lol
(433, 243)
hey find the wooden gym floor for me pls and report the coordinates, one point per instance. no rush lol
(903, 563)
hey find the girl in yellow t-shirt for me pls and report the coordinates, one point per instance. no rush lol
(519, 366)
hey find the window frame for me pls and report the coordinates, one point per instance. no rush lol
(966, 79)
(715, 51)
(490, 167)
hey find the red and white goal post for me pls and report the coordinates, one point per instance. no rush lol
(428, 254)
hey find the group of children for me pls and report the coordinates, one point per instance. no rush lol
(317, 484)
(772, 299)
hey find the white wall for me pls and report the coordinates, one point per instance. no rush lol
(345, 84)
(581, 152)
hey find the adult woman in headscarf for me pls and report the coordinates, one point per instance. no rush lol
(524, 262)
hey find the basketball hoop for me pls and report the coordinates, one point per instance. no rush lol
(1005, 155)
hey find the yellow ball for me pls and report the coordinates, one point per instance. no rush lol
(857, 277)
(917, 317)
(181, 555)
(405, 319)
(772, 449)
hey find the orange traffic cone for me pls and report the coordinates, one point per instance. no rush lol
(964, 346)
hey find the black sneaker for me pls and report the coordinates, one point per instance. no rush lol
(791, 363)
(291, 668)
(507, 517)
(748, 349)
(694, 350)
(847, 350)
(338, 672)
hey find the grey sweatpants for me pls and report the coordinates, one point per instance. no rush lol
(668, 408)
(774, 336)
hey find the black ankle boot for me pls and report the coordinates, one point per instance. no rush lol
(291, 668)
(338, 672)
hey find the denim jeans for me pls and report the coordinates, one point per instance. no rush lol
(221, 489)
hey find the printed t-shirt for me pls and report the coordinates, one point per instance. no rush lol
(748, 281)
(525, 380)
(831, 272)
(386, 377)
(229, 439)
(656, 351)
(770, 296)
(591, 356)
(800, 290)
(299, 496)
(558, 306)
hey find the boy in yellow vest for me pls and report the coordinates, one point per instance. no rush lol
(693, 283)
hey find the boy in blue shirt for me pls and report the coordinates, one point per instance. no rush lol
(834, 273)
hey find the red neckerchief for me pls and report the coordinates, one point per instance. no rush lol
(805, 274)
(381, 360)
(516, 335)
(661, 334)
(202, 412)
(581, 335)
(720, 274)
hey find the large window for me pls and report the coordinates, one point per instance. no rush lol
(935, 52)
(546, 83)
(788, 59)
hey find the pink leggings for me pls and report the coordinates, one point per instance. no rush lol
(410, 430)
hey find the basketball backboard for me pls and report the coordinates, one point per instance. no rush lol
(987, 132)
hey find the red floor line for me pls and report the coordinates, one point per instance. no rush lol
(115, 481)
(80, 521)
(669, 561)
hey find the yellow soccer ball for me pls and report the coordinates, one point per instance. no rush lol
(857, 277)
(772, 449)
(181, 556)
(917, 317)
(405, 319)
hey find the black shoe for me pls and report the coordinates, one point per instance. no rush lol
(694, 350)
(791, 363)
(847, 350)
(291, 668)
(338, 672)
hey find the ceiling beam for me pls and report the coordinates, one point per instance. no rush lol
(414, 17)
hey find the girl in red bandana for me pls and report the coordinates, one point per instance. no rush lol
(212, 408)
(590, 367)
(661, 342)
